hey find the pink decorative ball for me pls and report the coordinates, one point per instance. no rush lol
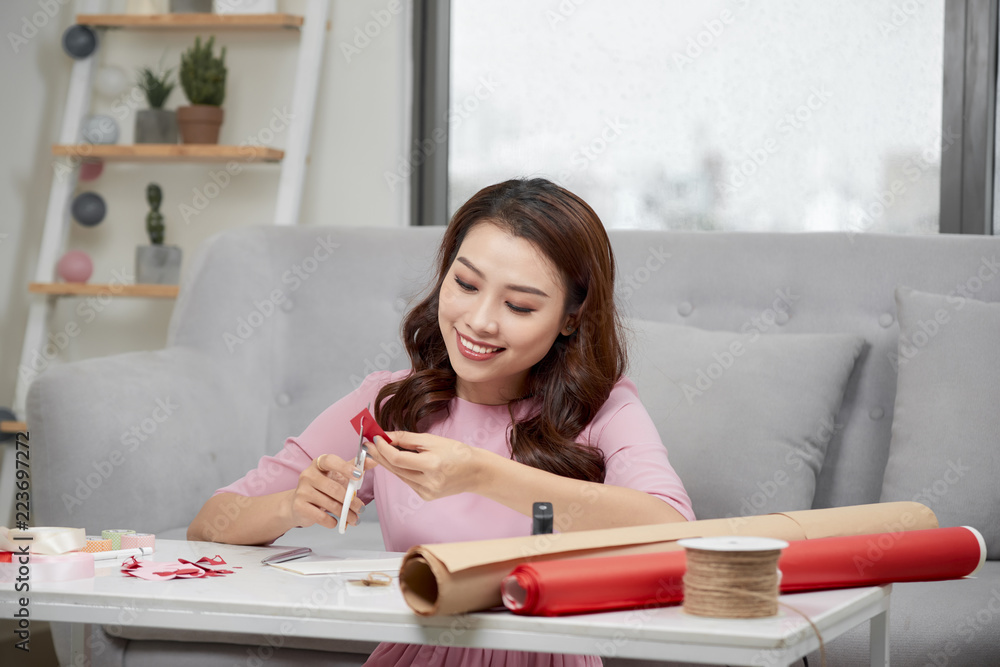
(91, 169)
(75, 267)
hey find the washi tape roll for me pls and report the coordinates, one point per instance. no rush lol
(97, 543)
(115, 535)
(139, 540)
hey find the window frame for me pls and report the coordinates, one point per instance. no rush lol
(969, 111)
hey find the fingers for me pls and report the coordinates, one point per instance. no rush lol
(408, 459)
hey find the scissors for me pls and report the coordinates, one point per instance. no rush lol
(355, 482)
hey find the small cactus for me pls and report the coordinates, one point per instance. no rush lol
(154, 219)
(203, 76)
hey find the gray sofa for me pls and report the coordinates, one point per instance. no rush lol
(274, 324)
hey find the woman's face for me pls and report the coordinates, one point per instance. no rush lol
(501, 306)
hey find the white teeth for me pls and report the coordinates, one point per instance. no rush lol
(478, 348)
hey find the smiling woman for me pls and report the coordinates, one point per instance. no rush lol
(515, 394)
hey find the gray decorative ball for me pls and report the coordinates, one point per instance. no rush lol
(79, 41)
(89, 209)
(98, 129)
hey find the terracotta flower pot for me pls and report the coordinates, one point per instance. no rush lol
(199, 123)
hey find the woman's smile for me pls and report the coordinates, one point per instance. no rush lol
(475, 350)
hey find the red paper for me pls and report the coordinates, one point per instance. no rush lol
(371, 426)
(556, 587)
(153, 571)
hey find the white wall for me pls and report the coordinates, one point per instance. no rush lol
(360, 131)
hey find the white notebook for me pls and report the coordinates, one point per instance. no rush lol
(342, 565)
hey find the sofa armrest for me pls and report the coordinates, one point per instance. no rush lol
(138, 440)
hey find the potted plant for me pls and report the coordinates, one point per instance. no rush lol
(156, 263)
(155, 125)
(203, 78)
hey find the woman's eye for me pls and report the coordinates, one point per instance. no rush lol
(520, 310)
(464, 286)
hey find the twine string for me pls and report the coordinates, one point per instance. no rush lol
(736, 584)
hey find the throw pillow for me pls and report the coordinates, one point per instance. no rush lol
(746, 418)
(945, 448)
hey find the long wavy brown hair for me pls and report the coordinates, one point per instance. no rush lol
(575, 378)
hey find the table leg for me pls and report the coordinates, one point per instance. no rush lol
(879, 641)
(79, 644)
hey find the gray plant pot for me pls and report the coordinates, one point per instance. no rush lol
(155, 126)
(187, 6)
(158, 265)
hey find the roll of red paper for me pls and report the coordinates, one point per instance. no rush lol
(557, 587)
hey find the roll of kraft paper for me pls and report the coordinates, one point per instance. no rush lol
(458, 577)
(561, 587)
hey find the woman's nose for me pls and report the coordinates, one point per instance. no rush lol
(483, 317)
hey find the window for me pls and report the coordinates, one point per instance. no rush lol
(739, 115)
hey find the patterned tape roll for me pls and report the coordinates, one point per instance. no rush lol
(139, 540)
(97, 543)
(115, 535)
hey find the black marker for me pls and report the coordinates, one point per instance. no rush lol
(541, 518)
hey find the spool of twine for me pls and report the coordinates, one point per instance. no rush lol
(736, 577)
(732, 577)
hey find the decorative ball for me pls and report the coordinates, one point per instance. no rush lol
(91, 169)
(89, 209)
(79, 41)
(99, 129)
(75, 267)
(111, 81)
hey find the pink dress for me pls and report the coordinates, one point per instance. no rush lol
(634, 455)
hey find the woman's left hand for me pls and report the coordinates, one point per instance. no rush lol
(434, 466)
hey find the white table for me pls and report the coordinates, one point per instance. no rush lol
(265, 600)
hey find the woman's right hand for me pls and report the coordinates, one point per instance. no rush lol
(321, 489)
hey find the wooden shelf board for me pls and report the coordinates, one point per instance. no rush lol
(13, 427)
(88, 289)
(169, 152)
(193, 21)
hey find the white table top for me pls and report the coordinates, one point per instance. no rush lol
(262, 599)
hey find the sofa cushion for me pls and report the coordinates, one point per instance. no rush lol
(945, 448)
(746, 418)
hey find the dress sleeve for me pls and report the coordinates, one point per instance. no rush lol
(330, 433)
(634, 454)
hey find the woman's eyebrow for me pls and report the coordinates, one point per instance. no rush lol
(516, 288)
